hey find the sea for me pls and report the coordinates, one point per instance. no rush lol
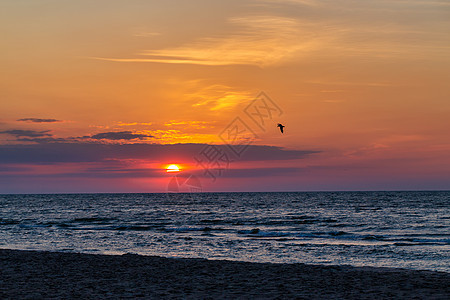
(381, 229)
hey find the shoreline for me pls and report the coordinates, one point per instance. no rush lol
(40, 274)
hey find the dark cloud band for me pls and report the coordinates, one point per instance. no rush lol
(121, 135)
(48, 153)
(38, 120)
(27, 133)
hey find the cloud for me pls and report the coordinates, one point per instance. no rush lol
(37, 120)
(184, 124)
(117, 172)
(51, 153)
(298, 2)
(44, 140)
(286, 31)
(121, 135)
(134, 123)
(262, 172)
(217, 97)
(87, 173)
(27, 133)
(7, 168)
(260, 41)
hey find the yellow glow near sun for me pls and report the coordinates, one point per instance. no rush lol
(173, 168)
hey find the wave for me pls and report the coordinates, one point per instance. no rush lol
(8, 222)
(193, 229)
(97, 220)
(135, 228)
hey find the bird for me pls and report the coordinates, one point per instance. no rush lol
(281, 127)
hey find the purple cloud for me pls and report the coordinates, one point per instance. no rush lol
(49, 153)
(27, 133)
(121, 135)
(38, 120)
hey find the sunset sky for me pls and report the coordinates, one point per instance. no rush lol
(103, 95)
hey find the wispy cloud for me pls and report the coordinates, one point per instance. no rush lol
(389, 143)
(297, 2)
(174, 136)
(352, 83)
(260, 41)
(134, 123)
(341, 3)
(217, 97)
(267, 40)
(263, 172)
(193, 124)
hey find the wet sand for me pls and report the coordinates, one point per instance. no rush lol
(44, 275)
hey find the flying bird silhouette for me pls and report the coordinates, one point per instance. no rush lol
(281, 127)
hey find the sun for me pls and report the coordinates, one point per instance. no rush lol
(172, 169)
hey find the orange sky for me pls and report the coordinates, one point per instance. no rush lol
(362, 85)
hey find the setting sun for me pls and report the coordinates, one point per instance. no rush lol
(173, 168)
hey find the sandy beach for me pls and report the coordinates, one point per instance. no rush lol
(38, 275)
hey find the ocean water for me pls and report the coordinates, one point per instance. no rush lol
(388, 229)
